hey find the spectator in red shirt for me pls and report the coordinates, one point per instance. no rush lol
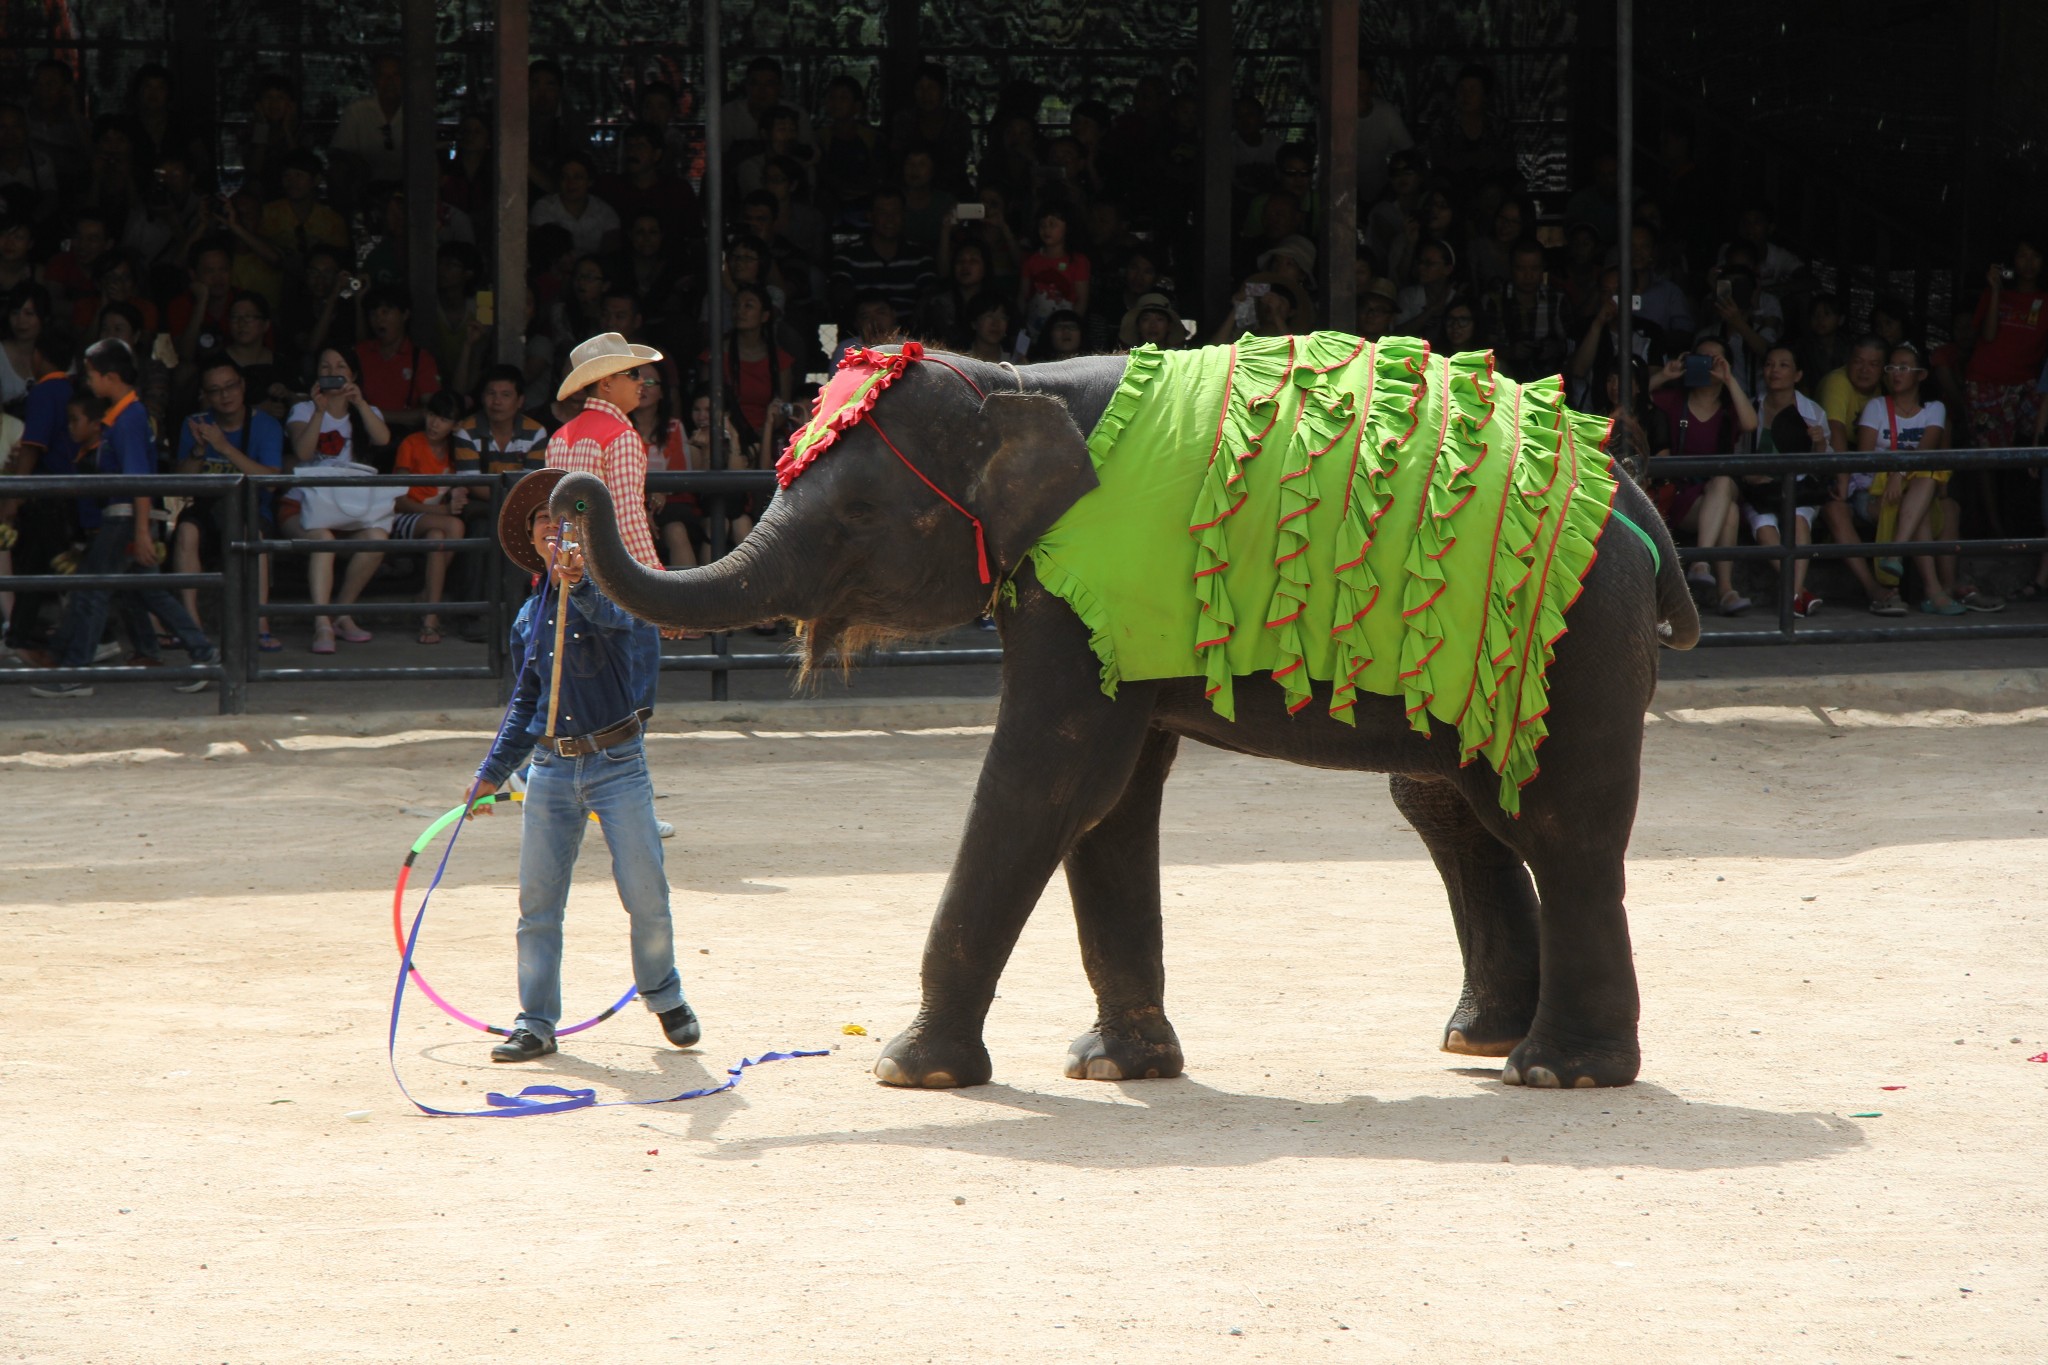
(758, 372)
(1054, 277)
(2012, 343)
(398, 376)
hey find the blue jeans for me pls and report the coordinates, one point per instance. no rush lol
(85, 615)
(560, 794)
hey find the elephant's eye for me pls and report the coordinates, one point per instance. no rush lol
(858, 511)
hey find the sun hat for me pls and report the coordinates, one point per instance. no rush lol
(515, 517)
(1127, 332)
(605, 354)
(1295, 248)
(1383, 288)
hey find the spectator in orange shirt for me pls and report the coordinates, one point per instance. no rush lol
(398, 376)
(428, 512)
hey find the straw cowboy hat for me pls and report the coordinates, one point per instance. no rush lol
(1148, 303)
(515, 518)
(607, 353)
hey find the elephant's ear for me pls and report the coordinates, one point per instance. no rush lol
(1035, 466)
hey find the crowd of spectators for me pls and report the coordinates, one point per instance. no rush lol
(265, 316)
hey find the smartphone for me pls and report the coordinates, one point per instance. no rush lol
(331, 383)
(487, 308)
(970, 213)
(1699, 370)
(2005, 272)
(1254, 289)
(1635, 302)
(1724, 290)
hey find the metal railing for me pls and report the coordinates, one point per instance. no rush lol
(240, 665)
(492, 606)
(1787, 552)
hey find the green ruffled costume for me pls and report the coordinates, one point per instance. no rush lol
(1323, 508)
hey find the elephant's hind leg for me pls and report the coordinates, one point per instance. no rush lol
(1113, 877)
(1494, 908)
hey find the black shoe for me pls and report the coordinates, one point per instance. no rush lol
(523, 1046)
(681, 1026)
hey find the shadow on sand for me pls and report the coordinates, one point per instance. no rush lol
(1188, 1124)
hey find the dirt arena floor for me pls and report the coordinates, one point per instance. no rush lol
(1835, 1152)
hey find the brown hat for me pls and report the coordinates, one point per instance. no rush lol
(515, 518)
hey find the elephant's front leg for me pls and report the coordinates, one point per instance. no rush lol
(1113, 877)
(1059, 762)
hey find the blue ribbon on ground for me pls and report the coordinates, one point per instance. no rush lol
(534, 1099)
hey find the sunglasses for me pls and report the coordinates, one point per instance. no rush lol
(1903, 369)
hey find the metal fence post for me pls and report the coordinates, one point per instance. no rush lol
(250, 605)
(1788, 541)
(235, 622)
(721, 641)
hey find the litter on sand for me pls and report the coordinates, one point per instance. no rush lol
(854, 1031)
(1867, 1114)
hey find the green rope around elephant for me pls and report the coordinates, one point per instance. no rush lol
(1321, 508)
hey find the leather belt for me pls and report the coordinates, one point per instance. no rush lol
(577, 746)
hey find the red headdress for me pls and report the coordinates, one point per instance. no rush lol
(847, 401)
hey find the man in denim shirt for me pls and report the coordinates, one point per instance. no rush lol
(594, 763)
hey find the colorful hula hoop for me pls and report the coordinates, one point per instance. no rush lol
(419, 979)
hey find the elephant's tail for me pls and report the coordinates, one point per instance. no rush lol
(1678, 620)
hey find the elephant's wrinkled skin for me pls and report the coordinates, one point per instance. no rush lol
(857, 549)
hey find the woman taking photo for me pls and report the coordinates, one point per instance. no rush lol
(1705, 412)
(335, 426)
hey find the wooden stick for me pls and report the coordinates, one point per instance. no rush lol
(561, 621)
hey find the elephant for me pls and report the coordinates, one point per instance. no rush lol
(927, 523)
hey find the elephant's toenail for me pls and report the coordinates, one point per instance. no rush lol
(1510, 1076)
(1584, 1083)
(938, 1080)
(1543, 1078)
(888, 1073)
(1103, 1069)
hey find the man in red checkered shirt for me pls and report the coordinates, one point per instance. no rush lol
(602, 440)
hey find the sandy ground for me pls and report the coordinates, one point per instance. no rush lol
(1834, 1153)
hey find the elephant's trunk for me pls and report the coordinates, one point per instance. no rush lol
(751, 586)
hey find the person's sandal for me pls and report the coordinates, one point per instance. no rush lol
(323, 639)
(353, 633)
(268, 643)
(1952, 609)
(1733, 603)
(1893, 605)
(430, 635)
(1978, 600)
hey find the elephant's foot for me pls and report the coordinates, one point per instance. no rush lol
(1137, 1045)
(934, 1058)
(1489, 1030)
(1550, 1060)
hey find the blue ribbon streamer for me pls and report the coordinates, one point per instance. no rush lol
(534, 1099)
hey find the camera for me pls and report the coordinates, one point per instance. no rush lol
(332, 383)
(2005, 272)
(351, 285)
(967, 213)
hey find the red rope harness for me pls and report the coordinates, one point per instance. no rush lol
(980, 540)
(890, 367)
